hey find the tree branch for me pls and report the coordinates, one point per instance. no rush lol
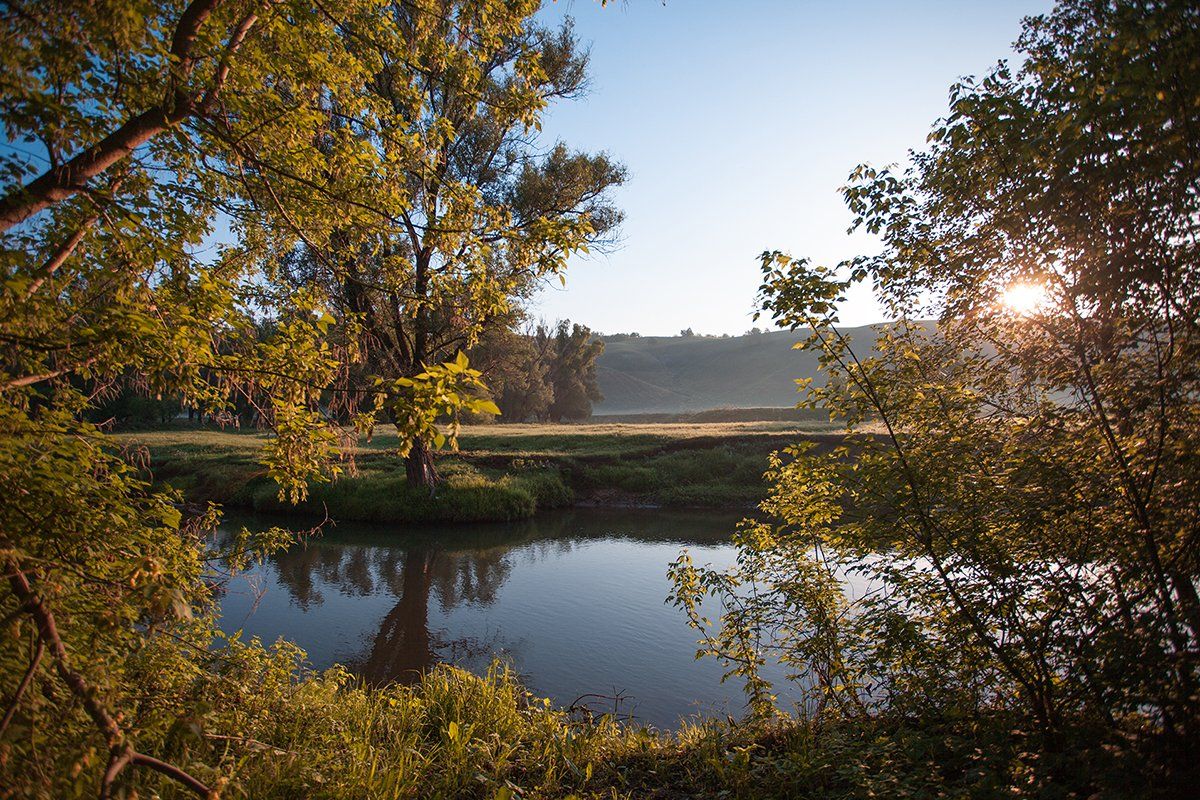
(25, 681)
(123, 753)
(58, 184)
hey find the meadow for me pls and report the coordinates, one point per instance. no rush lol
(499, 472)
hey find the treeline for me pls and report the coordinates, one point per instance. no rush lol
(547, 374)
(687, 333)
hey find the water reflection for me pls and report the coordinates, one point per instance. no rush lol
(404, 644)
(574, 600)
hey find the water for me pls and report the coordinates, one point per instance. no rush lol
(573, 600)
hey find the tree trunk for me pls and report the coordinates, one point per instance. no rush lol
(419, 466)
(419, 463)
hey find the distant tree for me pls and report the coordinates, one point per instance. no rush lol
(573, 372)
(540, 374)
(124, 407)
(516, 366)
(687, 332)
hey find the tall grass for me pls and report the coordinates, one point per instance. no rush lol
(272, 733)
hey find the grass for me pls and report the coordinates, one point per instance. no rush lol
(772, 414)
(501, 472)
(272, 734)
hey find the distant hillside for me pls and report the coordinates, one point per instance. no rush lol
(673, 374)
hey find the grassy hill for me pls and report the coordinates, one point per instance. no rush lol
(673, 374)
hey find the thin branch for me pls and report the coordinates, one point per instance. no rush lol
(60, 255)
(25, 681)
(29, 380)
(231, 48)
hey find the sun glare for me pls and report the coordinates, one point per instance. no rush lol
(1024, 298)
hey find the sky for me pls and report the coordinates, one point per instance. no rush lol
(739, 121)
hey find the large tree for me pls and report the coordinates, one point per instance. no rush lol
(488, 210)
(1020, 484)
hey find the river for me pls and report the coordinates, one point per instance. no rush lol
(573, 600)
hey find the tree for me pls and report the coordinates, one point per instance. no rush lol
(516, 365)
(486, 212)
(541, 374)
(1019, 482)
(573, 372)
(134, 131)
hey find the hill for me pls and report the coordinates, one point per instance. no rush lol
(674, 374)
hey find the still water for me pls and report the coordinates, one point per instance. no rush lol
(574, 601)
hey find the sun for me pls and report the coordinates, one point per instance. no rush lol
(1025, 298)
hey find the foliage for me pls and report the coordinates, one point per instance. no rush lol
(135, 134)
(517, 365)
(143, 121)
(128, 129)
(444, 391)
(1017, 504)
(547, 374)
(97, 569)
(251, 723)
(573, 372)
(487, 212)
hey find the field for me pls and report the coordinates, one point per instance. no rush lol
(500, 472)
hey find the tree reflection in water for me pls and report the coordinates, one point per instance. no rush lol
(461, 565)
(405, 645)
(412, 570)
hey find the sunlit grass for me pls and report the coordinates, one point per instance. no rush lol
(502, 472)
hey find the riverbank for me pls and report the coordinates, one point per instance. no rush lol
(274, 735)
(500, 473)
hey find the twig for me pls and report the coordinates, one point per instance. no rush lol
(254, 743)
(25, 681)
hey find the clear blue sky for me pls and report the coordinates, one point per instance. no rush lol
(739, 120)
